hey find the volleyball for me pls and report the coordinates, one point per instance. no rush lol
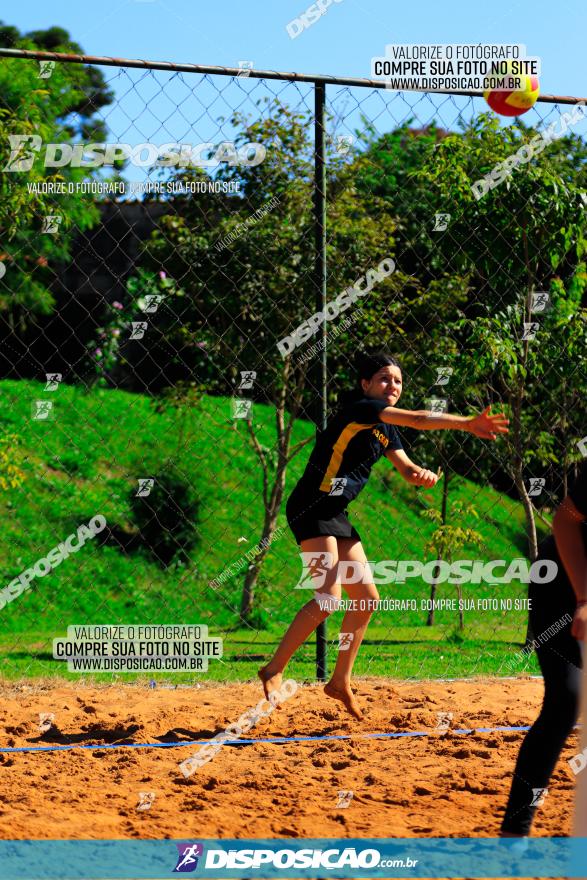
(512, 102)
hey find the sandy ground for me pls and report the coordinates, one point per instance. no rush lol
(429, 786)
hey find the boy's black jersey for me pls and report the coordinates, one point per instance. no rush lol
(346, 450)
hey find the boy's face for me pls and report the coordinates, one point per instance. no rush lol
(385, 384)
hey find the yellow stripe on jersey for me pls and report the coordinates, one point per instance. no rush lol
(338, 451)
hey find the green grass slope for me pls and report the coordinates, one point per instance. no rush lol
(87, 460)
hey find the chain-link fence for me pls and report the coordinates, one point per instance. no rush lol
(176, 241)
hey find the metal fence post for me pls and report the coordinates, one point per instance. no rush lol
(320, 279)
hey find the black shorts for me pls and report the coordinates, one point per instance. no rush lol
(313, 516)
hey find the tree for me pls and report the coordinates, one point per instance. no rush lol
(56, 109)
(242, 298)
(91, 94)
(524, 371)
(527, 235)
(447, 542)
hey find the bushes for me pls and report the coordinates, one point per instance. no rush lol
(166, 517)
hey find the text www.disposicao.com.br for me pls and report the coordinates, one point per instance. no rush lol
(134, 664)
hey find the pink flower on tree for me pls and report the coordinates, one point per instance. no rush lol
(117, 305)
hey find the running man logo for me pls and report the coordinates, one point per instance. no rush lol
(344, 799)
(436, 406)
(247, 379)
(51, 223)
(441, 222)
(443, 375)
(535, 486)
(46, 720)
(146, 799)
(337, 485)
(345, 640)
(315, 568)
(530, 330)
(344, 143)
(241, 409)
(46, 68)
(23, 148)
(540, 302)
(151, 303)
(53, 380)
(42, 410)
(138, 329)
(187, 860)
(538, 796)
(145, 486)
(443, 722)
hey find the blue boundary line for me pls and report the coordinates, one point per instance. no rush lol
(277, 739)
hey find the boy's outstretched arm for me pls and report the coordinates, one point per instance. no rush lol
(486, 425)
(412, 473)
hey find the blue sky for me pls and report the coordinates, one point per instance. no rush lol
(342, 42)
(159, 108)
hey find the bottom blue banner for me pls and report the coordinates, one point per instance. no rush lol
(350, 857)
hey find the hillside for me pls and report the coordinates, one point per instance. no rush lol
(87, 461)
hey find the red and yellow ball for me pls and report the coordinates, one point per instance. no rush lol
(513, 102)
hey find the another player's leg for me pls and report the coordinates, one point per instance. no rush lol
(354, 623)
(324, 599)
(560, 661)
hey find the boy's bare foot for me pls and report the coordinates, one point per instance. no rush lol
(271, 683)
(346, 697)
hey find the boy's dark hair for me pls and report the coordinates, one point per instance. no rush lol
(367, 363)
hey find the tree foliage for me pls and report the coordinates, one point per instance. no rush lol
(63, 107)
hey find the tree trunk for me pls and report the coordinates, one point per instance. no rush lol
(290, 394)
(444, 506)
(529, 512)
(430, 618)
(254, 568)
(252, 575)
(528, 508)
(517, 412)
